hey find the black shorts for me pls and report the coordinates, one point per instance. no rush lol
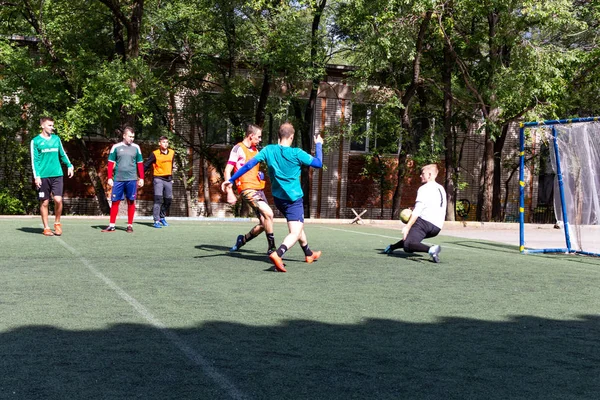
(52, 185)
(422, 230)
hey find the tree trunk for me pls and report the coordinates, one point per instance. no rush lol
(449, 136)
(497, 188)
(407, 145)
(182, 168)
(486, 180)
(397, 198)
(179, 159)
(205, 179)
(93, 175)
(262, 100)
(309, 111)
(133, 27)
(206, 188)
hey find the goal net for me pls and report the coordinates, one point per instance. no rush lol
(575, 156)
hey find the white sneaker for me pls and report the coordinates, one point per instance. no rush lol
(434, 252)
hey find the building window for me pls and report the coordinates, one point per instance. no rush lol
(361, 121)
(369, 131)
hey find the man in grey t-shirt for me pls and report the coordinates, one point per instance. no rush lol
(125, 163)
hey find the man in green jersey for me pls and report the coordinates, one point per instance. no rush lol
(46, 154)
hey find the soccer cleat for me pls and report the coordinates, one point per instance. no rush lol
(163, 222)
(157, 224)
(129, 229)
(388, 249)
(278, 262)
(238, 243)
(57, 229)
(47, 232)
(271, 250)
(315, 256)
(109, 229)
(434, 252)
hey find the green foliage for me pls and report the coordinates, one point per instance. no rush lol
(16, 194)
(10, 205)
(107, 92)
(539, 60)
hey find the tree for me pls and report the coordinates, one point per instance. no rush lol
(509, 68)
(387, 41)
(84, 86)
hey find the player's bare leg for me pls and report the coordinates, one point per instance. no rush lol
(44, 214)
(58, 207)
(266, 220)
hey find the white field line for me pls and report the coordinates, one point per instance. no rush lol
(190, 353)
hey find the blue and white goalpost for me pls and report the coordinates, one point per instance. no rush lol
(575, 155)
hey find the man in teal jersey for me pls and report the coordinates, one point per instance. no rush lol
(125, 164)
(284, 165)
(46, 154)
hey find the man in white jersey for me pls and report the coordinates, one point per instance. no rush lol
(427, 217)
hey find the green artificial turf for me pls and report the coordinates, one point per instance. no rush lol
(171, 314)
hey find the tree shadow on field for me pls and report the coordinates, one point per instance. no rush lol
(453, 358)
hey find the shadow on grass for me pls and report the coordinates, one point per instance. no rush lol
(118, 227)
(242, 254)
(571, 258)
(399, 253)
(453, 358)
(485, 245)
(245, 254)
(150, 225)
(26, 229)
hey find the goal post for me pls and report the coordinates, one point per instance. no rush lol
(575, 154)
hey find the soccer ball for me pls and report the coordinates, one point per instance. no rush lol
(405, 215)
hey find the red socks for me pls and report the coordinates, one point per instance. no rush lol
(114, 211)
(130, 211)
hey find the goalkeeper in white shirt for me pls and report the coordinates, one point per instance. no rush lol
(427, 217)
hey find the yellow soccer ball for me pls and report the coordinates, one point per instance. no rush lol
(405, 215)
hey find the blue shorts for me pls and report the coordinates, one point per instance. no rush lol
(291, 210)
(124, 189)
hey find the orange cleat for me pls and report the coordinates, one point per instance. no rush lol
(279, 265)
(57, 229)
(315, 256)
(47, 232)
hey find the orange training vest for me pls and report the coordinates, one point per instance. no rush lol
(249, 180)
(163, 166)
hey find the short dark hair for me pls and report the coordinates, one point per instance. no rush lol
(163, 138)
(251, 128)
(44, 119)
(286, 130)
(127, 128)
